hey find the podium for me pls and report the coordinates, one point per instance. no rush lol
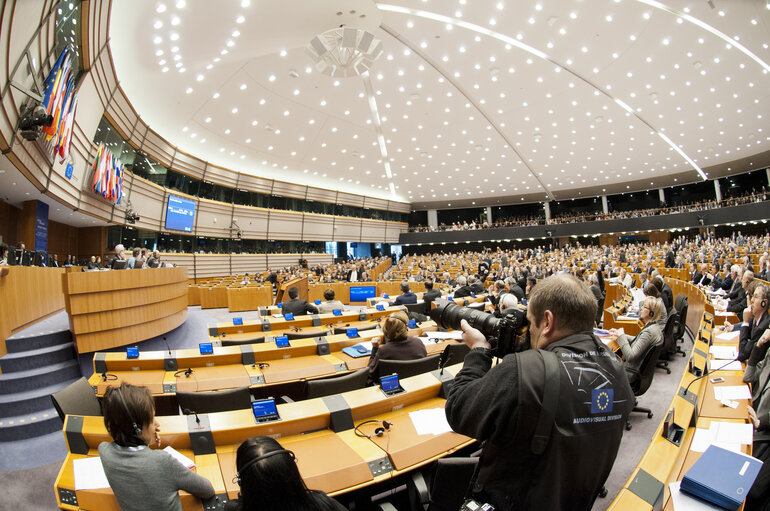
(283, 292)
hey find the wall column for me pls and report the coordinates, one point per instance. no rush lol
(27, 224)
(718, 190)
(489, 214)
(432, 218)
(767, 171)
(605, 207)
(662, 196)
(547, 208)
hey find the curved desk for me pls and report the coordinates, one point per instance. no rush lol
(115, 308)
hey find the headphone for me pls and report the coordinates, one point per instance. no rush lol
(137, 429)
(765, 290)
(237, 477)
(378, 431)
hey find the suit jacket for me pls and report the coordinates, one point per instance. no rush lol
(328, 307)
(750, 334)
(758, 374)
(462, 292)
(738, 303)
(634, 349)
(697, 276)
(298, 307)
(478, 287)
(668, 297)
(405, 298)
(727, 282)
(429, 296)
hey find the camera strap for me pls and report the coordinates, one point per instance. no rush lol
(550, 402)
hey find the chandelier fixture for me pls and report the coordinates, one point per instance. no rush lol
(343, 52)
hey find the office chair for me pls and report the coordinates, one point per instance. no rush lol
(646, 372)
(304, 335)
(669, 342)
(337, 384)
(456, 353)
(237, 342)
(407, 368)
(447, 488)
(215, 401)
(78, 398)
(419, 308)
(681, 306)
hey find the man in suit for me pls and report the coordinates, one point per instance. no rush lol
(755, 321)
(697, 276)
(670, 258)
(758, 374)
(463, 289)
(406, 296)
(297, 306)
(739, 298)
(475, 285)
(430, 294)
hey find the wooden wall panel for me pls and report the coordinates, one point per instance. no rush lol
(252, 221)
(371, 202)
(92, 241)
(319, 194)
(9, 223)
(189, 165)
(212, 265)
(284, 225)
(148, 200)
(317, 227)
(248, 263)
(350, 199)
(255, 183)
(401, 207)
(289, 190)
(393, 230)
(63, 240)
(221, 176)
(160, 150)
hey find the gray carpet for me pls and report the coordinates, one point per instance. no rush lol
(28, 469)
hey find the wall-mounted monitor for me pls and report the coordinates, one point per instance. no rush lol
(361, 293)
(180, 214)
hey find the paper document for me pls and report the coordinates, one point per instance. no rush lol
(455, 334)
(366, 344)
(732, 432)
(703, 438)
(723, 352)
(724, 313)
(628, 318)
(685, 502)
(89, 474)
(732, 392)
(721, 365)
(430, 422)
(729, 336)
(181, 458)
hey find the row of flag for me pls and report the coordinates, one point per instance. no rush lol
(60, 101)
(108, 175)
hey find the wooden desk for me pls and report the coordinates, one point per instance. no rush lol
(115, 308)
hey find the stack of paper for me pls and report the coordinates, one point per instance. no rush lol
(723, 352)
(727, 435)
(430, 422)
(181, 458)
(729, 336)
(732, 392)
(89, 474)
(455, 334)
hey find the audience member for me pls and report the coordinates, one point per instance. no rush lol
(297, 306)
(634, 350)
(406, 296)
(142, 478)
(395, 344)
(757, 373)
(330, 304)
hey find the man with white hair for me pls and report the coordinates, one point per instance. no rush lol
(624, 279)
(120, 255)
(462, 288)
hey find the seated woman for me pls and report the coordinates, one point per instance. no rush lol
(269, 479)
(142, 478)
(635, 349)
(651, 290)
(395, 344)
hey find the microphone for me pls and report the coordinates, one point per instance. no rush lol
(445, 357)
(187, 411)
(167, 346)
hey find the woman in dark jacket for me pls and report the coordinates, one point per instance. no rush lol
(269, 479)
(396, 345)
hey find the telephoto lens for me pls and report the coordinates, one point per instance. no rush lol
(504, 334)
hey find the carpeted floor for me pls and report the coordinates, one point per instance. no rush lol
(28, 469)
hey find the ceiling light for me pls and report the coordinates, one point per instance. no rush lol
(181, 4)
(175, 20)
(160, 8)
(344, 51)
(240, 19)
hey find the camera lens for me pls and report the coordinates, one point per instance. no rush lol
(449, 315)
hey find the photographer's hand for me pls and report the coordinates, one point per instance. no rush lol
(473, 337)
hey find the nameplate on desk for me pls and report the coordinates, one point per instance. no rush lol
(169, 388)
(362, 316)
(323, 346)
(256, 379)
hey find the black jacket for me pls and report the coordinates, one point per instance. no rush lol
(298, 307)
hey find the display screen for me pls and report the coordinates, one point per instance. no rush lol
(380, 307)
(206, 348)
(264, 408)
(180, 214)
(389, 383)
(282, 341)
(237, 321)
(412, 323)
(361, 293)
(337, 312)
(289, 316)
(352, 332)
(132, 352)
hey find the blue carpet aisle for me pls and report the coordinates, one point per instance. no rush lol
(28, 467)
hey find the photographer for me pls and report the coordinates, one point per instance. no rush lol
(537, 428)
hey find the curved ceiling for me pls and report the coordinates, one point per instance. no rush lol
(470, 100)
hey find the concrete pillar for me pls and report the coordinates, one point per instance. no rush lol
(547, 207)
(767, 171)
(605, 208)
(662, 196)
(718, 189)
(432, 218)
(489, 214)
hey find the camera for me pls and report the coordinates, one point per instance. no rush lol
(32, 120)
(507, 334)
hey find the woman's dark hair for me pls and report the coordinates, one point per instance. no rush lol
(651, 290)
(272, 483)
(125, 406)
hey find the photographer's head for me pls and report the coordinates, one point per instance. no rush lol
(559, 306)
(129, 415)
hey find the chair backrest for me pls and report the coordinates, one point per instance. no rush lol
(456, 353)
(681, 307)
(647, 369)
(215, 401)
(337, 384)
(416, 307)
(344, 329)
(303, 335)
(450, 482)
(237, 342)
(78, 398)
(407, 368)
(669, 341)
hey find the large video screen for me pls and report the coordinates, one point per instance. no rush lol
(361, 293)
(180, 214)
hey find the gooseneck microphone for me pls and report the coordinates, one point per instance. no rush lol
(446, 356)
(705, 373)
(187, 411)
(167, 346)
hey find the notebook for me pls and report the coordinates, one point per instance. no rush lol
(721, 477)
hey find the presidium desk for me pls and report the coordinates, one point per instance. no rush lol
(114, 308)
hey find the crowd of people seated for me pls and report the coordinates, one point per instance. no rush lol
(593, 216)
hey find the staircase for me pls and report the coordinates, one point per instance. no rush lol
(34, 367)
